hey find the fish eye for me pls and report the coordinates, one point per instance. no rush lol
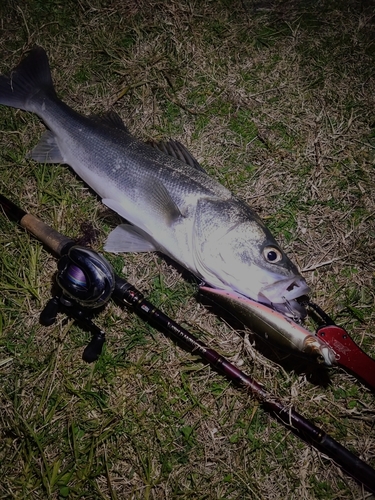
(272, 254)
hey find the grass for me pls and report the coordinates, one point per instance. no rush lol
(276, 101)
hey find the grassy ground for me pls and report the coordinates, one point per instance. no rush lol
(276, 100)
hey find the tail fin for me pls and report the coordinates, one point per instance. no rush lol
(28, 79)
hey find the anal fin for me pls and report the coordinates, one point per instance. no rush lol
(47, 150)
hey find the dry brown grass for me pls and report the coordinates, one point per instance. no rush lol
(277, 101)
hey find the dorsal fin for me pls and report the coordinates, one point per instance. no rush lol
(111, 119)
(178, 151)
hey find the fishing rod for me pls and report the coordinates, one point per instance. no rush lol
(87, 281)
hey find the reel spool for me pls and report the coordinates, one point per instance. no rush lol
(85, 277)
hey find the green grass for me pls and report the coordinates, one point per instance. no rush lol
(276, 102)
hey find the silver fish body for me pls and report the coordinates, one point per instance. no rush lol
(174, 208)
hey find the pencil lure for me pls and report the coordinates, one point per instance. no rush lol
(271, 325)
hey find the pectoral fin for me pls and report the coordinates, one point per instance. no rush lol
(127, 238)
(162, 203)
(158, 206)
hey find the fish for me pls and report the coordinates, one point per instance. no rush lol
(171, 205)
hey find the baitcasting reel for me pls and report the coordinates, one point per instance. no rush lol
(86, 281)
(85, 277)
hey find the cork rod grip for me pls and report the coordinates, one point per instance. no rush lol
(54, 240)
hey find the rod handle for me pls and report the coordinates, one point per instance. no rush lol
(51, 238)
(54, 240)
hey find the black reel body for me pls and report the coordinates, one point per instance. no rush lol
(85, 277)
(87, 281)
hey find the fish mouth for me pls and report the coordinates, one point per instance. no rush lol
(293, 309)
(286, 297)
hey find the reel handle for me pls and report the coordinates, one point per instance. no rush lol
(49, 314)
